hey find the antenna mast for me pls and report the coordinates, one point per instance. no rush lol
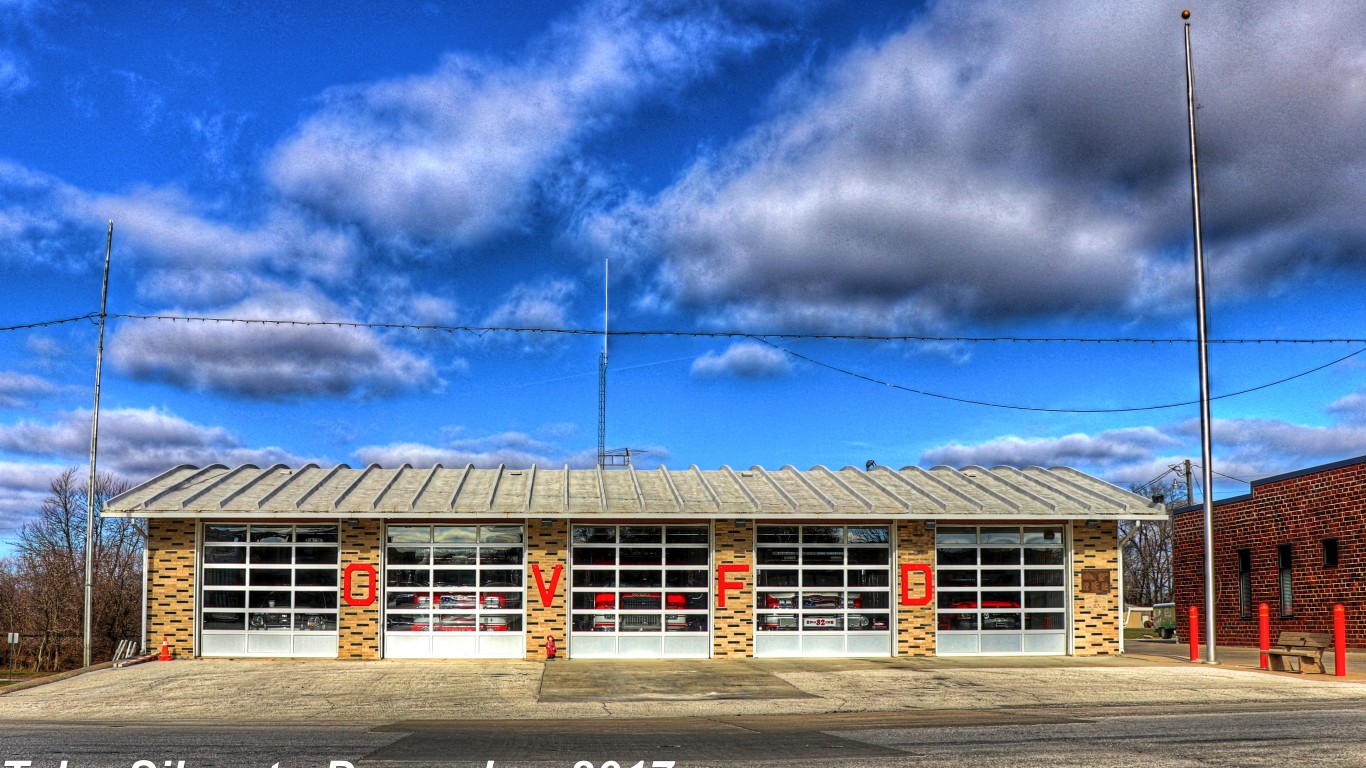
(602, 368)
(617, 457)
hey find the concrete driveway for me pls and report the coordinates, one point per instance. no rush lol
(290, 691)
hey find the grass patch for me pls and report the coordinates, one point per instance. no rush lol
(19, 676)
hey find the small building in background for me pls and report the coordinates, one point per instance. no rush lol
(1297, 542)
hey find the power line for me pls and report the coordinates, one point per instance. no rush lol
(764, 339)
(1150, 483)
(479, 330)
(46, 323)
(1221, 474)
(1012, 407)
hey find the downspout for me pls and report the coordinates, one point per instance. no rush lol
(1137, 525)
(146, 541)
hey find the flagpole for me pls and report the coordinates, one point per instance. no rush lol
(1206, 462)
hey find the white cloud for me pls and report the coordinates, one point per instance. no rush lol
(512, 449)
(1106, 449)
(743, 360)
(545, 305)
(37, 227)
(172, 231)
(1244, 449)
(531, 305)
(20, 389)
(989, 163)
(135, 442)
(1350, 409)
(1253, 448)
(274, 362)
(183, 253)
(457, 153)
(23, 487)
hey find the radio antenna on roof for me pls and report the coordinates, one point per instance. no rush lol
(602, 367)
(617, 457)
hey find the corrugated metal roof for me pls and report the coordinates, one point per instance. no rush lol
(939, 493)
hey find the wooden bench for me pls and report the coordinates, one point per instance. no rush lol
(1308, 647)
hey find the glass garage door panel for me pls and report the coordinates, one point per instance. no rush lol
(269, 590)
(454, 591)
(640, 591)
(822, 590)
(1001, 590)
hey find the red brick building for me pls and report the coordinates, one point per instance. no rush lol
(1296, 543)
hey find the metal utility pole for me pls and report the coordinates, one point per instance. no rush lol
(1207, 465)
(90, 493)
(602, 369)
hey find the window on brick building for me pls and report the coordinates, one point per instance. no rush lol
(1330, 553)
(1245, 583)
(1283, 555)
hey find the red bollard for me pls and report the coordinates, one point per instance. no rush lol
(1264, 631)
(1339, 640)
(1195, 633)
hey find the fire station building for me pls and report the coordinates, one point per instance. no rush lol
(470, 563)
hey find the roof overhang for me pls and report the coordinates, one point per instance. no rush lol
(970, 494)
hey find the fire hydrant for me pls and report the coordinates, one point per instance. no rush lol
(550, 648)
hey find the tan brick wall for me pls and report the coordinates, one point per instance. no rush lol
(733, 627)
(548, 548)
(171, 585)
(358, 626)
(914, 623)
(1095, 617)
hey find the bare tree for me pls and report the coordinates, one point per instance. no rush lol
(1148, 554)
(46, 577)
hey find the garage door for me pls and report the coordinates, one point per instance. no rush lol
(640, 591)
(1001, 590)
(454, 591)
(269, 590)
(822, 590)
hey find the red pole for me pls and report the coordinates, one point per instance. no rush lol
(1339, 640)
(1195, 633)
(1264, 631)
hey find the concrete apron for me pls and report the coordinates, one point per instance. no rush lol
(381, 692)
(672, 680)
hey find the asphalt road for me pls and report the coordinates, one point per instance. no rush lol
(1247, 735)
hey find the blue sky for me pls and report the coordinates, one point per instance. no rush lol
(947, 169)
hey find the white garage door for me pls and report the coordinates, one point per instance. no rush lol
(822, 590)
(454, 591)
(269, 590)
(1001, 590)
(640, 591)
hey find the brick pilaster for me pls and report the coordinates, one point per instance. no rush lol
(1095, 617)
(547, 548)
(171, 585)
(358, 625)
(733, 627)
(914, 624)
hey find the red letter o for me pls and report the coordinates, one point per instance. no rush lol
(372, 578)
